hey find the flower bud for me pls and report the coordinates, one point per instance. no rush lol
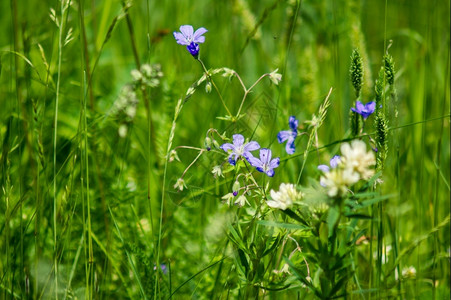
(207, 143)
(275, 77)
(208, 87)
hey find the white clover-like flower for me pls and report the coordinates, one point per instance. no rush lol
(409, 272)
(337, 181)
(355, 157)
(285, 197)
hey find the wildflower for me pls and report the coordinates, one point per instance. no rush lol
(285, 197)
(275, 77)
(364, 110)
(228, 198)
(338, 180)
(163, 268)
(264, 164)
(334, 161)
(180, 184)
(241, 201)
(190, 39)
(239, 148)
(409, 272)
(289, 135)
(217, 172)
(357, 159)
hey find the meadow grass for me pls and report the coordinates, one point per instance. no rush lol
(97, 95)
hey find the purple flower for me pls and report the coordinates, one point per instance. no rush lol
(334, 161)
(364, 110)
(239, 148)
(191, 39)
(163, 268)
(265, 163)
(289, 135)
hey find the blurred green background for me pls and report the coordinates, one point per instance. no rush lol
(122, 178)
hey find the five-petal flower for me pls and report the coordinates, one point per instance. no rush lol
(364, 110)
(265, 164)
(289, 135)
(190, 39)
(239, 148)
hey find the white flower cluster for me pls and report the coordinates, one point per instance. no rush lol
(355, 164)
(285, 197)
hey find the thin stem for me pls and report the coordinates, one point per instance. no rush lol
(214, 85)
(192, 163)
(247, 91)
(55, 125)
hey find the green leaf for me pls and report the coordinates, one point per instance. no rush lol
(332, 218)
(272, 246)
(243, 260)
(293, 215)
(358, 216)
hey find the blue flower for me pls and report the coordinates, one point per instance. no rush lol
(364, 110)
(334, 161)
(265, 164)
(190, 39)
(239, 148)
(289, 135)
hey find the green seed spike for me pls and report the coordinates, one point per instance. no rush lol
(389, 69)
(356, 71)
(381, 140)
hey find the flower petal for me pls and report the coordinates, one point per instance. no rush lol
(270, 172)
(232, 159)
(274, 163)
(227, 146)
(283, 135)
(187, 31)
(370, 106)
(238, 140)
(251, 146)
(359, 106)
(255, 162)
(324, 168)
(334, 161)
(197, 37)
(265, 155)
(180, 38)
(293, 123)
(290, 146)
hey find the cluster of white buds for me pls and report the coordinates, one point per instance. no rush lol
(285, 197)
